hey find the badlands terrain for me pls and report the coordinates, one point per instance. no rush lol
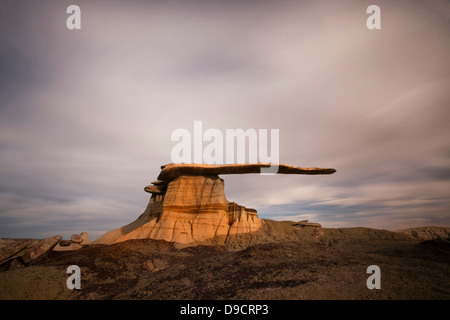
(283, 260)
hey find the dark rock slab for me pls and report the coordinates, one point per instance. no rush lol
(172, 171)
(39, 249)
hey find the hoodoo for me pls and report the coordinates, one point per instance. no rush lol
(188, 205)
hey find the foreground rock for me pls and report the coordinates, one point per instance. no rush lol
(188, 206)
(25, 252)
(75, 239)
(305, 223)
(76, 242)
(427, 233)
(85, 238)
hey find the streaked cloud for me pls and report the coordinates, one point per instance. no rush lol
(86, 116)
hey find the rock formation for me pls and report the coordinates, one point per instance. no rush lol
(20, 253)
(76, 242)
(75, 239)
(172, 171)
(305, 223)
(188, 205)
(427, 233)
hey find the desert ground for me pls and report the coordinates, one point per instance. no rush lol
(281, 261)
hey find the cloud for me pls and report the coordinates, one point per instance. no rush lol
(86, 116)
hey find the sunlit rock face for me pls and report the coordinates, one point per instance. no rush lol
(188, 206)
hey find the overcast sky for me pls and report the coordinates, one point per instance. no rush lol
(86, 115)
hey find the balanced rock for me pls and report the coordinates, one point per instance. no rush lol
(188, 205)
(64, 243)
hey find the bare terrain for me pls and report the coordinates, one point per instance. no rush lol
(281, 261)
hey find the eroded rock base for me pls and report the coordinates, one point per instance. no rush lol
(191, 209)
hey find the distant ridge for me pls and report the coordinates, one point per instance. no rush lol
(427, 233)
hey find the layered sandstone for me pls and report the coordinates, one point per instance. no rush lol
(193, 209)
(188, 206)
